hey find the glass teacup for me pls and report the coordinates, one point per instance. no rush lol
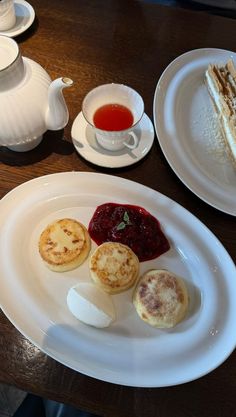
(120, 108)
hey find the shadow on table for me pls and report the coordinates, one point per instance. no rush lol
(53, 142)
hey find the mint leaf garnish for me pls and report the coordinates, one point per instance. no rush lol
(125, 223)
(126, 217)
(121, 226)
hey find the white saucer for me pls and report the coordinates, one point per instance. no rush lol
(85, 143)
(24, 18)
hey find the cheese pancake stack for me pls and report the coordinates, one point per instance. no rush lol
(64, 245)
(161, 298)
(114, 267)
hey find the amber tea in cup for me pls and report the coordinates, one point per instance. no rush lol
(113, 117)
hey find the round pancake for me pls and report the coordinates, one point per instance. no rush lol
(114, 267)
(161, 298)
(64, 245)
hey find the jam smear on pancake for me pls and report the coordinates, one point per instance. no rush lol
(131, 225)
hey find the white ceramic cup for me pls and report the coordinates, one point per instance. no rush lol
(114, 140)
(7, 15)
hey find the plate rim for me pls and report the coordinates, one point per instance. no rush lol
(225, 7)
(231, 211)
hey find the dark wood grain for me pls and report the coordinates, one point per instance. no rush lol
(95, 42)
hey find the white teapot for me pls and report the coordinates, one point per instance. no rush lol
(30, 103)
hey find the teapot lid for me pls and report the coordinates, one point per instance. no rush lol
(9, 51)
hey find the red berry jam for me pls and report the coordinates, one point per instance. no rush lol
(131, 225)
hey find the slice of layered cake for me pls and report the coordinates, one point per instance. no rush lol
(221, 83)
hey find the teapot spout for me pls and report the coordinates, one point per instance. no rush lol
(57, 114)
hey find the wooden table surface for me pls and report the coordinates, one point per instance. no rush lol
(131, 42)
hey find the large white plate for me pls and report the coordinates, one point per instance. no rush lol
(130, 352)
(188, 130)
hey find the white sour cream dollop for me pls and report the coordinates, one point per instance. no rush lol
(91, 305)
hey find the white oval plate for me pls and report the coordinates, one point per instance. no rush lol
(188, 131)
(129, 352)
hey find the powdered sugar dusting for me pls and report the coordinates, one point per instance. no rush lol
(206, 130)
